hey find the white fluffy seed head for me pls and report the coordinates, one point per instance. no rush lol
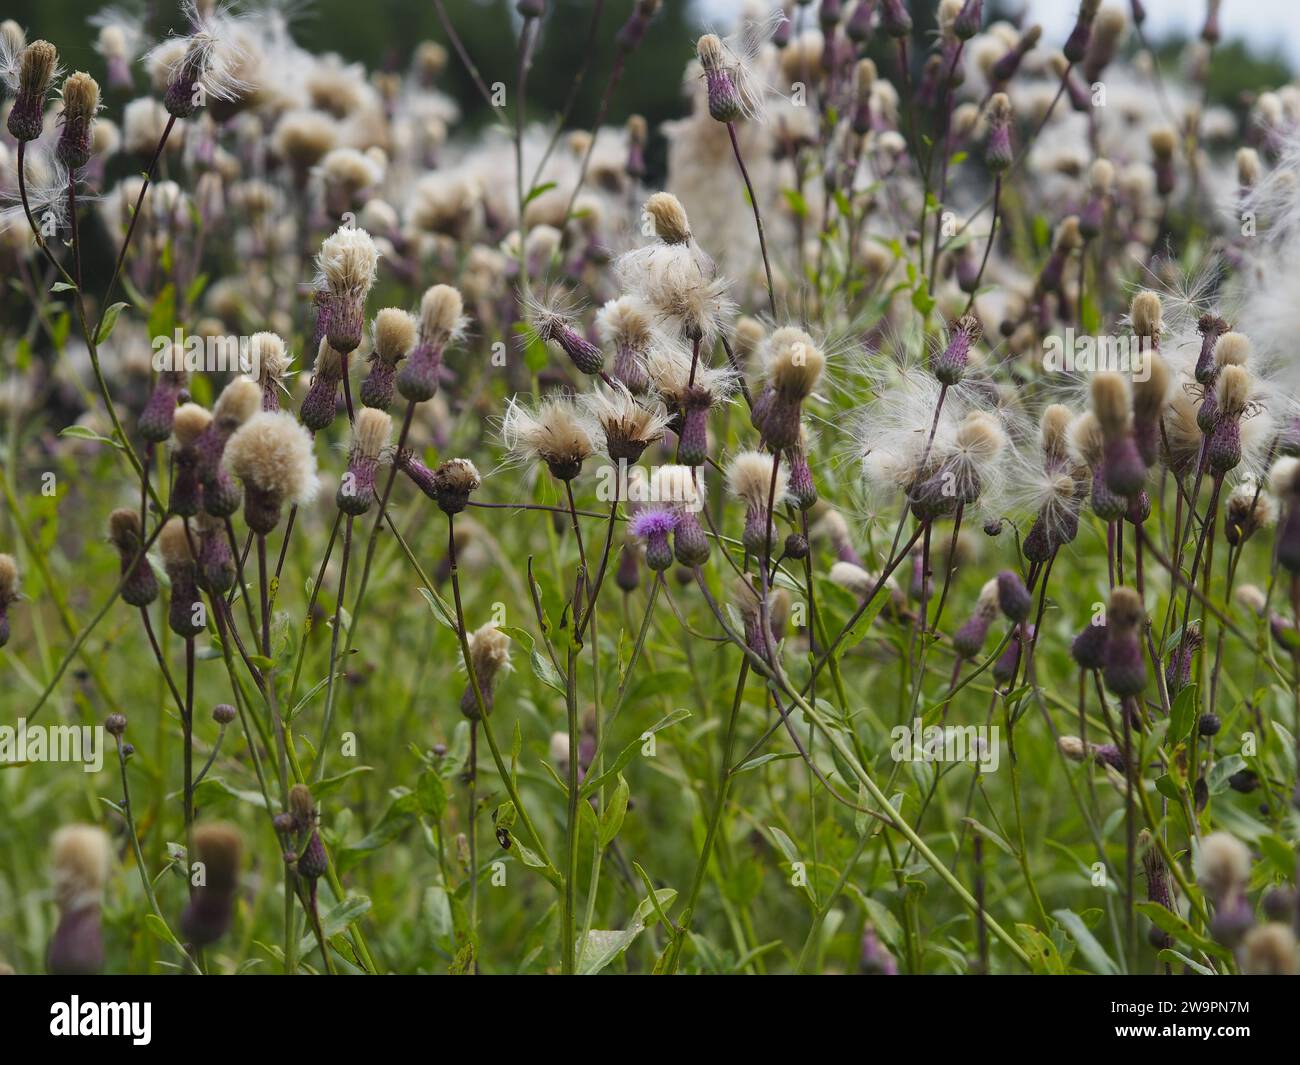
(1145, 314)
(1101, 177)
(676, 485)
(1284, 477)
(555, 432)
(625, 322)
(80, 857)
(1152, 392)
(1110, 402)
(1231, 349)
(347, 262)
(1054, 433)
(274, 452)
(270, 356)
(1086, 440)
(852, 578)
(1233, 390)
(489, 652)
(238, 402)
(1252, 597)
(8, 579)
(174, 543)
(441, 313)
(1222, 864)
(795, 362)
(395, 333)
(371, 433)
(189, 421)
(669, 217)
(749, 476)
(980, 438)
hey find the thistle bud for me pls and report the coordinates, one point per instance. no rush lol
(1088, 648)
(321, 404)
(395, 333)
(313, 863)
(489, 656)
(1178, 671)
(207, 916)
(1014, 599)
(795, 365)
(998, 155)
(1008, 663)
(188, 425)
(441, 310)
(969, 19)
(139, 586)
(628, 576)
(949, 366)
(370, 436)
(654, 525)
(725, 104)
(969, 639)
(802, 489)
(160, 410)
(81, 856)
(185, 613)
(216, 563)
(1076, 45)
(80, 102)
(37, 65)
(1123, 668)
(895, 19)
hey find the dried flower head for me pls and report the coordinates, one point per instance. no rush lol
(554, 433)
(272, 454)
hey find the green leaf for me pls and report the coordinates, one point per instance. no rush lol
(538, 190)
(440, 609)
(1044, 958)
(332, 784)
(336, 921)
(62, 286)
(602, 947)
(1168, 921)
(544, 671)
(629, 752)
(798, 205)
(990, 835)
(1182, 714)
(1222, 770)
(611, 820)
(108, 322)
(81, 432)
(1093, 952)
(431, 794)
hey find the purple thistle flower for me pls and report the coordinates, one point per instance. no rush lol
(653, 526)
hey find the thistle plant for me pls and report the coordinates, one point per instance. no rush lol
(522, 545)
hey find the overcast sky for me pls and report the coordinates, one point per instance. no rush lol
(1268, 25)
